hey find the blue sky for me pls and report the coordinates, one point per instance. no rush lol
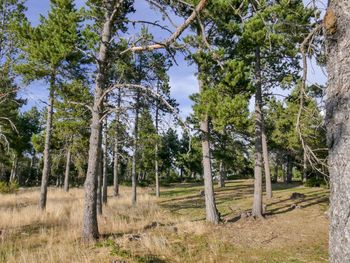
(182, 76)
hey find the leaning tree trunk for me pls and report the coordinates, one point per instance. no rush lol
(105, 165)
(337, 29)
(266, 163)
(66, 174)
(212, 214)
(134, 157)
(257, 203)
(116, 150)
(47, 157)
(90, 224)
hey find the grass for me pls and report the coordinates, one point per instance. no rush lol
(171, 229)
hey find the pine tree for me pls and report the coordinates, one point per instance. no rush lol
(48, 50)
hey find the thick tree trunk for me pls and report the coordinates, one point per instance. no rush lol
(116, 150)
(90, 225)
(212, 214)
(337, 29)
(266, 163)
(66, 175)
(105, 165)
(221, 175)
(257, 203)
(47, 146)
(134, 157)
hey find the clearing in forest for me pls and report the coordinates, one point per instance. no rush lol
(171, 229)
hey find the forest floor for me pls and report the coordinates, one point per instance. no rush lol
(171, 229)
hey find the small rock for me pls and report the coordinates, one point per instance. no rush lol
(202, 193)
(295, 206)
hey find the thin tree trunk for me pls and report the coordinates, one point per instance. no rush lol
(212, 214)
(289, 170)
(275, 174)
(66, 175)
(47, 146)
(116, 150)
(105, 165)
(337, 30)
(100, 179)
(221, 175)
(257, 203)
(14, 170)
(304, 174)
(156, 165)
(134, 157)
(266, 163)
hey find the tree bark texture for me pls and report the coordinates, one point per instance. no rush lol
(212, 214)
(47, 146)
(221, 175)
(257, 202)
(105, 165)
(337, 30)
(116, 150)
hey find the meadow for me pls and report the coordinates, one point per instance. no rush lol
(169, 229)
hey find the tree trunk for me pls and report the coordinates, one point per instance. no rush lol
(289, 171)
(105, 165)
(116, 151)
(336, 22)
(14, 170)
(257, 203)
(221, 175)
(47, 146)
(304, 174)
(275, 174)
(156, 165)
(266, 163)
(66, 175)
(99, 179)
(134, 157)
(90, 225)
(212, 214)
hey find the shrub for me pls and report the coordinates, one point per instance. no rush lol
(9, 188)
(315, 182)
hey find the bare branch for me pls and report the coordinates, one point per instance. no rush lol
(175, 35)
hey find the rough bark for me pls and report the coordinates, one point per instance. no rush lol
(221, 175)
(66, 174)
(337, 29)
(212, 214)
(266, 163)
(90, 225)
(47, 146)
(134, 157)
(116, 150)
(257, 202)
(105, 165)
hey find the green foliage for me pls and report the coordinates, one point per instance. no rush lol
(9, 188)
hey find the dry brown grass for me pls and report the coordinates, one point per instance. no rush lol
(169, 230)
